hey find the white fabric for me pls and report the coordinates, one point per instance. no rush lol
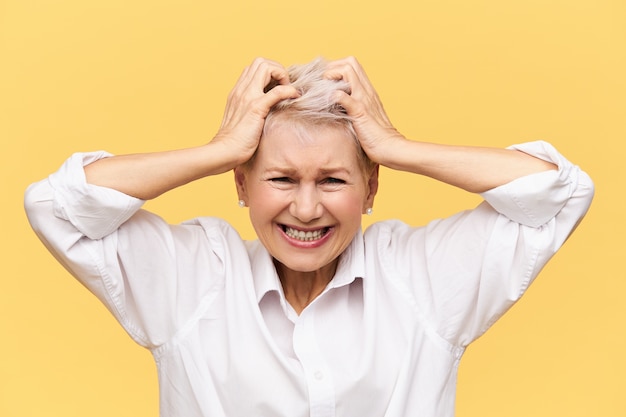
(384, 339)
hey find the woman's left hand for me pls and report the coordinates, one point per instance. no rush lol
(374, 130)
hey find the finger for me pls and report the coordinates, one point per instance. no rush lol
(350, 70)
(353, 107)
(278, 72)
(257, 75)
(358, 87)
(343, 73)
(276, 78)
(335, 69)
(236, 96)
(348, 63)
(265, 71)
(277, 94)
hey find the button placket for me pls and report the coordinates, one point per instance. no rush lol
(317, 374)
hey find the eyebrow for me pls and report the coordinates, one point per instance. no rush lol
(279, 170)
(334, 171)
(322, 172)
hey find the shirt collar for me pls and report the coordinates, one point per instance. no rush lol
(351, 266)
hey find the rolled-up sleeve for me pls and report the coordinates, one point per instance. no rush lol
(95, 211)
(144, 270)
(465, 271)
(535, 199)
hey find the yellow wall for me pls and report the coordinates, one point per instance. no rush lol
(143, 75)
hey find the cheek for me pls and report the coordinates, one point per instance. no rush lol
(349, 205)
(265, 202)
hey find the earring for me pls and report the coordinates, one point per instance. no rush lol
(369, 211)
(241, 203)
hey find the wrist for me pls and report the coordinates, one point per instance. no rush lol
(233, 150)
(390, 151)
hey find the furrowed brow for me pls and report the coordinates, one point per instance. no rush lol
(334, 171)
(280, 171)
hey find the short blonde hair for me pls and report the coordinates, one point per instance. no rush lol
(316, 105)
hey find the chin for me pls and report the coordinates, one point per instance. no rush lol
(306, 267)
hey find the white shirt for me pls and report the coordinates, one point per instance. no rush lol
(385, 337)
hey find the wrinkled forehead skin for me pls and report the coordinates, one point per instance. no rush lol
(305, 130)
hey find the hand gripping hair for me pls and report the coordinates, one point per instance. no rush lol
(316, 106)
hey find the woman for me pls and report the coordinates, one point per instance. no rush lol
(314, 318)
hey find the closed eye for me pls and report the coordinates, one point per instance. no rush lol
(332, 180)
(281, 179)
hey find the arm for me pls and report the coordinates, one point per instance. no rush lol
(130, 259)
(475, 169)
(149, 175)
(87, 214)
(465, 271)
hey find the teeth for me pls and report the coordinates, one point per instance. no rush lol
(304, 236)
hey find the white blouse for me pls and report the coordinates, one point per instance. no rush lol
(384, 338)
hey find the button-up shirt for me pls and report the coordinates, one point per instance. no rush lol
(383, 339)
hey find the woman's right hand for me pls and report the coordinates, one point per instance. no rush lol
(148, 175)
(248, 105)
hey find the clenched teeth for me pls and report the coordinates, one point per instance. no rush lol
(304, 236)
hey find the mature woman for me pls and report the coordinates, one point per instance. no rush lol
(314, 318)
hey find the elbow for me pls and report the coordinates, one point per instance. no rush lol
(585, 191)
(38, 204)
(587, 185)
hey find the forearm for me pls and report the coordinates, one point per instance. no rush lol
(149, 175)
(475, 169)
(471, 168)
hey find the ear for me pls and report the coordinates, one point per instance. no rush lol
(240, 183)
(372, 185)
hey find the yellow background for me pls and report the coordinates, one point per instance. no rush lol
(130, 76)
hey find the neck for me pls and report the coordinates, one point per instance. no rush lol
(301, 288)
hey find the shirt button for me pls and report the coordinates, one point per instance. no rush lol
(319, 375)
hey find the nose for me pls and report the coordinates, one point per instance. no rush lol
(306, 205)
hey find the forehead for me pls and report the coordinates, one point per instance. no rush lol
(300, 143)
(304, 128)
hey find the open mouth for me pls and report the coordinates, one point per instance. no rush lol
(305, 236)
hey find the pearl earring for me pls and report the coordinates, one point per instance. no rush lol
(369, 211)
(241, 203)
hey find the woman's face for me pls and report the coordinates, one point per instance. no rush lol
(306, 194)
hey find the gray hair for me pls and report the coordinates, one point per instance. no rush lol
(316, 105)
(316, 102)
